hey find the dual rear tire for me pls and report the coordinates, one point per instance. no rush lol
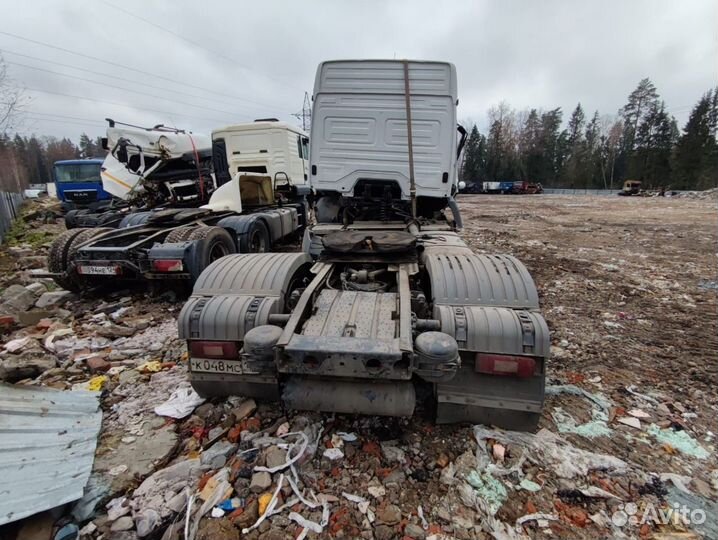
(62, 253)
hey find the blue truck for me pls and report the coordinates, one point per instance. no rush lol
(79, 184)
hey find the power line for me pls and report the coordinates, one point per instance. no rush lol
(169, 114)
(95, 58)
(63, 121)
(121, 88)
(65, 116)
(143, 83)
(194, 43)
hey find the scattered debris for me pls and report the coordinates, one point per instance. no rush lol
(169, 465)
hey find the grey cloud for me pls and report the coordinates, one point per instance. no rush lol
(529, 53)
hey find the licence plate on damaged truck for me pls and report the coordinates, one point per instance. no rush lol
(106, 270)
(231, 367)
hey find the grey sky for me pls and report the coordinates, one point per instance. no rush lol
(264, 54)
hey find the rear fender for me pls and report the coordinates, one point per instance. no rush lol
(280, 222)
(183, 251)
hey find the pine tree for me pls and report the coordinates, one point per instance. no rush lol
(696, 155)
(633, 112)
(531, 153)
(590, 165)
(573, 169)
(473, 168)
(553, 146)
(87, 146)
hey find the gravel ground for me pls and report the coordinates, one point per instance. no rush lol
(628, 287)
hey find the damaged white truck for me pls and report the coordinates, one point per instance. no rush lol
(255, 183)
(386, 302)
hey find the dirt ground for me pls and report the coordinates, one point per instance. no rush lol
(629, 289)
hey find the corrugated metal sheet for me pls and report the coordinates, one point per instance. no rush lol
(47, 447)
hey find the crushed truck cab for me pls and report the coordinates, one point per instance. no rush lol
(386, 302)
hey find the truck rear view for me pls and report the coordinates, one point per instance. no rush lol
(386, 299)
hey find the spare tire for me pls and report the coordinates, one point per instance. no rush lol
(211, 243)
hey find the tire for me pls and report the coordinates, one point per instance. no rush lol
(71, 219)
(83, 237)
(256, 239)
(57, 256)
(180, 234)
(72, 281)
(212, 243)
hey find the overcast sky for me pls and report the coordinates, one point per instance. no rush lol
(202, 65)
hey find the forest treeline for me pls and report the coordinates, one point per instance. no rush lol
(28, 160)
(642, 142)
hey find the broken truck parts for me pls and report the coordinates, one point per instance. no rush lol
(258, 202)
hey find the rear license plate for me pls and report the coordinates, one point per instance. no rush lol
(108, 270)
(230, 367)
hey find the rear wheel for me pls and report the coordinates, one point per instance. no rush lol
(256, 240)
(63, 251)
(71, 219)
(213, 243)
(57, 256)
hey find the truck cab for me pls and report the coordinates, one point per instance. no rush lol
(265, 146)
(78, 183)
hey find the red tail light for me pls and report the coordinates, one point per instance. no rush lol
(214, 349)
(501, 364)
(167, 265)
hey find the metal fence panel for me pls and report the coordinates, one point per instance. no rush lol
(9, 208)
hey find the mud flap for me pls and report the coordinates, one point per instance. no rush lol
(382, 398)
(503, 401)
(263, 387)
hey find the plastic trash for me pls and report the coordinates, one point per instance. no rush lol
(565, 423)
(528, 485)
(152, 366)
(180, 404)
(567, 460)
(333, 454)
(307, 524)
(264, 501)
(680, 440)
(217, 512)
(231, 504)
(491, 490)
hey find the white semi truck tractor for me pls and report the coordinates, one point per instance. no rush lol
(385, 302)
